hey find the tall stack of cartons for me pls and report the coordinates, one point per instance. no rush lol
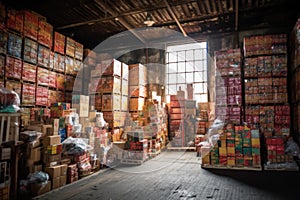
(176, 116)
(137, 87)
(112, 94)
(228, 85)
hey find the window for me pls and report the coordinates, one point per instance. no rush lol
(187, 64)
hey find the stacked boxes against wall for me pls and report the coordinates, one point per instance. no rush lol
(92, 74)
(137, 87)
(228, 86)
(295, 71)
(176, 121)
(234, 147)
(5, 162)
(34, 59)
(112, 93)
(266, 89)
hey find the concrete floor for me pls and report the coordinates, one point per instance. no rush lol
(178, 175)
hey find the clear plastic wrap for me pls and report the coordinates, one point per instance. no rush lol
(38, 177)
(292, 148)
(75, 146)
(213, 133)
(9, 101)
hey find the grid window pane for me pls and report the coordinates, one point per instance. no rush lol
(198, 77)
(187, 64)
(172, 89)
(181, 67)
(190, 55)
(198, 88)
(172, 57)
(172, 68)
(181, 56)
(181, 78)
(172, 78)
(189, 77)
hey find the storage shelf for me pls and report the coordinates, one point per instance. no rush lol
(232, 167)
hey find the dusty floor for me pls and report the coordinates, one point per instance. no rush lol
(178, 175)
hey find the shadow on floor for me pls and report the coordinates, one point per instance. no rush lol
(282, 183)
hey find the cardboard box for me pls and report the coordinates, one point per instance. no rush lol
(231, 161)
(82, 109)
(5, 153)
(35, 154)
(39, 188)
(55, 183)
(35, 168)
(52, 160)
(54, 171)
(63, 180)
(51, 140)
(206, 159)
(4, 193)
(222, 151)
(230, 151)
(66, 161)
(111, 67)
(255, 142)
(63, 169)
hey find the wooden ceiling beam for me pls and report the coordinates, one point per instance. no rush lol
(127, 25)
(175, 18)
(119, 15)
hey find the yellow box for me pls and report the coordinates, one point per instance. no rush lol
(231, 161)
(222, 151)
(223, 136)
(255, 142)
(223, 143)
(230, 151)
(206, 159)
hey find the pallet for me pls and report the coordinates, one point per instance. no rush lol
(181, 148)
(274, 168)
(258, 168)
(132, 162)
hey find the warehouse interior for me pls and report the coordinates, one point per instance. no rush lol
(149, 99)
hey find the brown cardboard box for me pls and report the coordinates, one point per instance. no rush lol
(39, 188)
(35, 154)
(63, 170)
(63, 180)
(92, 115)
(4, 193)
(66, 161)
(82, 109)
(5, 153)
(47, 130)
(35, 168)
(51, 140)
(51, 160)
(54, 171)
(34, 143)
(55, 183)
